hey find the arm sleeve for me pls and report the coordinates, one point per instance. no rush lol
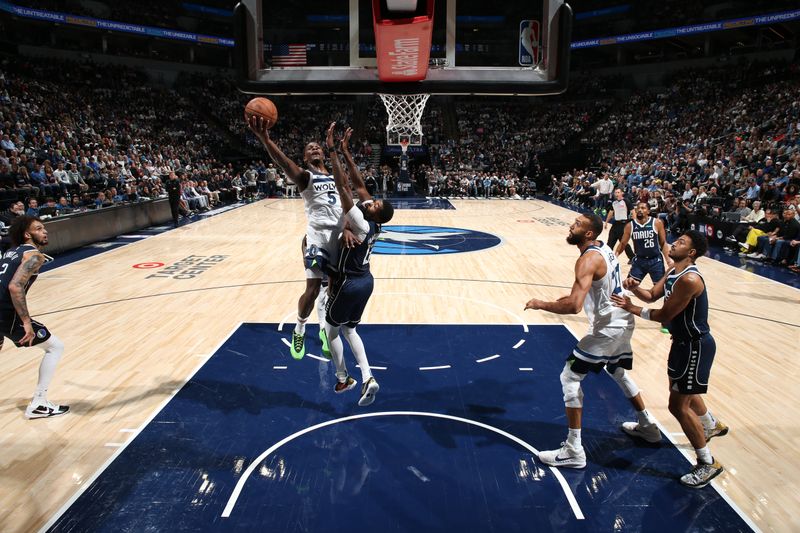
(358, 223)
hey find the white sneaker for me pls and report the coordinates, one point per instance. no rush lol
(566, 456)
(44, 409)
(717, 431)
(702, 474)
(649, 433)
(368, 392)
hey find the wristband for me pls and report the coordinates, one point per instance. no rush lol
(645, 313)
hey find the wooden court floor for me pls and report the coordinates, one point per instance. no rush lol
(134, 335)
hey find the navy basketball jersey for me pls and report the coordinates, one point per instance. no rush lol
(692, 321)
(8, 267)
(645, 239)
(355, 261)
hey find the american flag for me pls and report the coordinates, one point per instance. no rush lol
(288, 55)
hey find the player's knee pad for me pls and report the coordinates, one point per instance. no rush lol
(53, 346)
(625, 383)
(571, 386)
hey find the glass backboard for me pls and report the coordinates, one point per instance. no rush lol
(476, 47)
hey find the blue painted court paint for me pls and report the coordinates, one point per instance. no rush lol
(431, 240)
(392, 474)
(421, 203)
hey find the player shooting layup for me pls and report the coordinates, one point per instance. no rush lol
(321, 245)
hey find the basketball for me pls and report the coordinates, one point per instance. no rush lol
(261, 107)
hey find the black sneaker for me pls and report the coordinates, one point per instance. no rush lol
(45, 409)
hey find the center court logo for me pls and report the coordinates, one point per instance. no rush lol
(431, 240)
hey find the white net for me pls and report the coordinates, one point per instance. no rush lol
(405, 113)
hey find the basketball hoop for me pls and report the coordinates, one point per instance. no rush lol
(405, 113)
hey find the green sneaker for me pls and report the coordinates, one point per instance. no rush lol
(665, 330)
(298, 347)
(326, 351)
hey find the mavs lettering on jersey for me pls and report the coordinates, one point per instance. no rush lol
(645, 239)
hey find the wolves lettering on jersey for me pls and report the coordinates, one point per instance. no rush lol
(599, 308)
(692, 321)
(645, 239)
(8, 267)
(323, 206)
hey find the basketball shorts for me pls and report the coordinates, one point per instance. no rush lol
(348, 300)
(610, 348)
(689, 364)
(11, 327)
(641, 266)
(321, 251)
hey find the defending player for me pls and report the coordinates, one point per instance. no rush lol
(354, 282)
(18, 270)
(685, 313)
(321, 243)
(607, 344)
(649, 245)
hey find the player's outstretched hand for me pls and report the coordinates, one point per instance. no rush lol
(259, 128)
(622, 301)
(346, 139)
(630, 284)
(349, 240)
(329, 136)
(534, 304)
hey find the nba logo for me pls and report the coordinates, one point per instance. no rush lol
(529, 43)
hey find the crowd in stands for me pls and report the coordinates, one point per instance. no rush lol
(713, 142)
(78, 136)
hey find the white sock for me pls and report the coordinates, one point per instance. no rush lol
(53, 349)
(300, 325)
(645, 418)
(574, 438)
(357, 346)
(704, 455)
(337, 351)
(708, 420)
(321, 302)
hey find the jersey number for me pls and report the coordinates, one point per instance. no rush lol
(331, 198)
(617, 284)
(649, 243)
(366, 257)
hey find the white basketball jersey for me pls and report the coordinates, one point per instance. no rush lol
(599, 308)
(323, 206)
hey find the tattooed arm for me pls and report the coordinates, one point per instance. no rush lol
(31, 261)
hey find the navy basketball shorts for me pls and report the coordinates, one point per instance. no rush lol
(641, 266)
(689, 364)
(11, 327)
(348, 300)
